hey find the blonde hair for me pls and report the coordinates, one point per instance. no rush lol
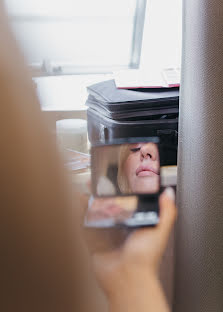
(121, 178)
(45, 261)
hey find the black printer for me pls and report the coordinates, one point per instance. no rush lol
(119, 113)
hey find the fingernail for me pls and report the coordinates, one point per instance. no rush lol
(169, 191)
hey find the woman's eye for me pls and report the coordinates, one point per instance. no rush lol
(136, 149)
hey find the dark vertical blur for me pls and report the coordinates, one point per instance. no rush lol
(199, 265)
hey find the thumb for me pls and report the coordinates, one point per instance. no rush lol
(168, 214)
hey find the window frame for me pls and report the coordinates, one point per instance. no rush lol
(47, 68)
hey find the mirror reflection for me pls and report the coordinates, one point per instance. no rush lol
(129, 211)
(126, 169)
(113, 209)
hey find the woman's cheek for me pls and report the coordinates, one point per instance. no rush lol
(157, 165)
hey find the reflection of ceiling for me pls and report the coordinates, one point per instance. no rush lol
(168, 175)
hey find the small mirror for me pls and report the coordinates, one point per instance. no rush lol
(124, 169)
(125, 183)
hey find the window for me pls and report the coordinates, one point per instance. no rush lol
(87, 40)
(76, 37)
(162, 35)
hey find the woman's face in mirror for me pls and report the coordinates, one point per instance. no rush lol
(142, 168)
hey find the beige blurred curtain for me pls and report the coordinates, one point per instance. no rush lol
(199, 251)
(43, 261)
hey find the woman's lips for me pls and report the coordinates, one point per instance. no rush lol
(146, 171)
(146, 174)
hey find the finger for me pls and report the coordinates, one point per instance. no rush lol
(167, 218)
(168, 214)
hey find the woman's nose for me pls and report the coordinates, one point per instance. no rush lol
(147, 151)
